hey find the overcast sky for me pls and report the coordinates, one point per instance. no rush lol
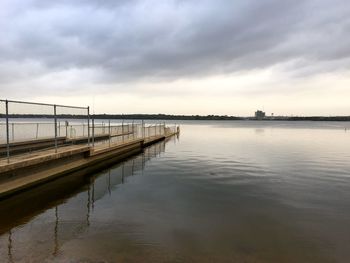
(179, 57)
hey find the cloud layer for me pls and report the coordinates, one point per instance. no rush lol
(132, 39)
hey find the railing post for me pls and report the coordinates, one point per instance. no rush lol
(13, 131)
(123, 131)
(88, 115)
(55, 119)
(93, 131)
(142, 130)
(7, 132)
(109, 132)
(37, 130)
(132, 129)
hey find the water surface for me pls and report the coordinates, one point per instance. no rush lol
(239, 191)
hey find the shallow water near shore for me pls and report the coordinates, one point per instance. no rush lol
(231, 191)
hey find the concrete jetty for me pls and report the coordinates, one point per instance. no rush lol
(27, 170)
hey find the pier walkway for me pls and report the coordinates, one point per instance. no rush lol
(36, 152)
(30, 169)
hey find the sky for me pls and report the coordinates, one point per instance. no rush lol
(227, 57)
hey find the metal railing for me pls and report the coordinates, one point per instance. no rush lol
(126, 131)
(24, 129)
(11, 110)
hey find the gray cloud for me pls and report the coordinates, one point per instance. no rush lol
(133, 40)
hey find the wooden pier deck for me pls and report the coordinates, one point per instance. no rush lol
(27, 170)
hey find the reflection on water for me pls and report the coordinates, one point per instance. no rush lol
(63, 207)
(224, 192)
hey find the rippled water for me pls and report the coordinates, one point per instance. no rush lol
(222, 192)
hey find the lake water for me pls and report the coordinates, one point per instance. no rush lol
(239, 191)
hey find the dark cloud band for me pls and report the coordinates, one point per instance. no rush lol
(131, 40)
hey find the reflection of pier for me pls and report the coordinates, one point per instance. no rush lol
(86, 192)
(103, 185)
(9, 247)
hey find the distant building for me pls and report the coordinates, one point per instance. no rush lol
(259, 114)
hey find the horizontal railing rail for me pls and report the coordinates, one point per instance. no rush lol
(42, 104)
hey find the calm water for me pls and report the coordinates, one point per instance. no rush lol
(222, 192)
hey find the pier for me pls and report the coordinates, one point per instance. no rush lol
(32, 153)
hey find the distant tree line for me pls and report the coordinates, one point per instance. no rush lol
(179, 117)
(128, 116)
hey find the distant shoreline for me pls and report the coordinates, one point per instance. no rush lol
(181, 117)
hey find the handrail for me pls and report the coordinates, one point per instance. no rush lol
(43, 104)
